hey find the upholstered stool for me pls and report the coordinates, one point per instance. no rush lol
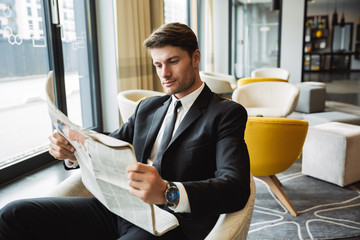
(324, 117)
(331, 153)
(312, 97)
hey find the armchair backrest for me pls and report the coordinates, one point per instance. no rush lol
(268, 99)
(129, 99)
(235, 226)
(219, 82)
(274, 144)
(244, 81)
(271, 72)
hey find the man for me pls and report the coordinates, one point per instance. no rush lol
(205, 164)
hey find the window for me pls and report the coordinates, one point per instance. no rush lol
(29, 11)
(27, 55)
(77, 72)
(177, 11)
(256, 36)
(31, 26)
(41, 28)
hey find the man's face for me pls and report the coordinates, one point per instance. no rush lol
(178, 72)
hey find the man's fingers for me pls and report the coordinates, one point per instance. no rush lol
(59, 137)
(143, 194)
(61, 142)
(61, 148)
(137, 193)
(60, 155)
(135, 184)
(135, 167)
(60, 152)
(140, 167)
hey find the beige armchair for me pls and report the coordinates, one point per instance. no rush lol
(271, 73)
(218, 82)
(267, 99)
(129, 99)
(235, 226)
(71, 187)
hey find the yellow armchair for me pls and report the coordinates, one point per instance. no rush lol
(244, 81)
(274, 145)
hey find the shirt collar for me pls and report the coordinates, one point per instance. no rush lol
(188, 100)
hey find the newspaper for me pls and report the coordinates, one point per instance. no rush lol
(103, 161)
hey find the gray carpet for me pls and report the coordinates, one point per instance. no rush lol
(326, 211)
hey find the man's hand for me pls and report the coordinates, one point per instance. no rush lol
(146, 183)
(60, 148)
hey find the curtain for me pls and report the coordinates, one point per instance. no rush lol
(135, 22)
(209, 37)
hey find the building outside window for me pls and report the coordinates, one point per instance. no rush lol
(24, 125)
(25, 60)
(177, 11)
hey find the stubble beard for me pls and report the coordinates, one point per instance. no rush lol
(181, 88)
(184, 86)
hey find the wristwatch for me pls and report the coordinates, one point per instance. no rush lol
(172, 194)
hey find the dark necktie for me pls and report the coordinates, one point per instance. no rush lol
(167, 135)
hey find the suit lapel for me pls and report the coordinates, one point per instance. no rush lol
(154, 128)
(194, 112)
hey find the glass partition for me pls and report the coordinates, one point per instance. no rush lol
(256, 36)
(341, 38)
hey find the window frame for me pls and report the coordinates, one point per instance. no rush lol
(55, 63)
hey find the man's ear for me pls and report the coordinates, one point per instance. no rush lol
(196, 57)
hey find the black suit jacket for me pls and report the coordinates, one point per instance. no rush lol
(207, 155)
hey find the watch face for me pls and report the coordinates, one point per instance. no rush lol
(172, 195)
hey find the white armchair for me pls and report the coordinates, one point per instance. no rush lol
(267, 99)
(271, 73)
(218, 82)
(129, 99)
(231, 226)
(235, 226)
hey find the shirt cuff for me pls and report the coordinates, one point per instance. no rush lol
(71, 164)
(183, 205)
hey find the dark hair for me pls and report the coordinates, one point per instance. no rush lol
(173, 34)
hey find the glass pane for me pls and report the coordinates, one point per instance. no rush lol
(176, 11)
(24, 121)
(256, 36)
(342, 38)
(76, 62)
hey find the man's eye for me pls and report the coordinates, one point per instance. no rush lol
(173, 62)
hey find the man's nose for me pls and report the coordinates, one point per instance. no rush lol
(165, 72)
